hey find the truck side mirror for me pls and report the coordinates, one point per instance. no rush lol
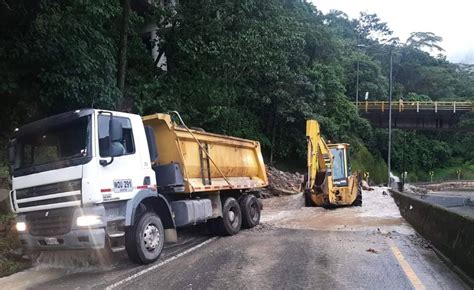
(11, 151)
(115, 136)
(115, 130)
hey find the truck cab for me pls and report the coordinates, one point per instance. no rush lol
(62, 176)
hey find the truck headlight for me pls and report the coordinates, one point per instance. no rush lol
(88, 220)
(21, 226)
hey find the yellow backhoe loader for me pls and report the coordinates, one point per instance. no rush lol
(329, 181)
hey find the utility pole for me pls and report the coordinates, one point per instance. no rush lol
(357, 74)
(357, 83)
(390, 119)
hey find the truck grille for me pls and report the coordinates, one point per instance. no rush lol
(40, 194)
(50, 223)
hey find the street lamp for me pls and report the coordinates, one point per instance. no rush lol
(390, 118)
(389, 105)
(357, 76)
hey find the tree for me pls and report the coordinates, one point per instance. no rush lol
(371, 28)
(422, 40)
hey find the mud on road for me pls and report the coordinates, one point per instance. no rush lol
(378, 212)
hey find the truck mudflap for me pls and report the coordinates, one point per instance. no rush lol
(57, 229)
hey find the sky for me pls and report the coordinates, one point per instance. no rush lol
(453, 20)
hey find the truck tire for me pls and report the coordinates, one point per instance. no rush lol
(144, 240)
(231, 220)
(250, 208)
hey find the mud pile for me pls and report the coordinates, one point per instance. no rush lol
(282, 183)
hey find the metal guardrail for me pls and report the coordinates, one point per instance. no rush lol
(401, 106)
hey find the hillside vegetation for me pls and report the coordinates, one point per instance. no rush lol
(255, 69)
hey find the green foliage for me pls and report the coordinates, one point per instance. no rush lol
(254, 69)
(9, 263)
(417, 97)
(425, 40)
(364, 161)
(449, 172)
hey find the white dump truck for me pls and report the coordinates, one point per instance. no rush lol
(90, 179)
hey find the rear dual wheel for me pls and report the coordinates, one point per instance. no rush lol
(230, 222)
(250, 211)
(235, 215)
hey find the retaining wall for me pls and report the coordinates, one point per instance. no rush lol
(449, 232)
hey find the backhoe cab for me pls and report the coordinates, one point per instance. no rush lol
(329, 181)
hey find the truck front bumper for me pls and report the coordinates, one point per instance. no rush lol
(74, 238)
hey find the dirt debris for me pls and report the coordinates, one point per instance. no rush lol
(262, 227)
(418, 240)
(282, 183)
(371, 250)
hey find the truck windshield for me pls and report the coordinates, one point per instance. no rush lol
(56, 146)
(339, 169)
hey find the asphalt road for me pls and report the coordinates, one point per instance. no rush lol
(289, 258)
(370, 247)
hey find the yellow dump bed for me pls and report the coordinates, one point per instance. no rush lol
(239, 161)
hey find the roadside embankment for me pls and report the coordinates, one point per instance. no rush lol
(12, 258)
(450, 232)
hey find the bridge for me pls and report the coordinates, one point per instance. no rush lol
(416, 115)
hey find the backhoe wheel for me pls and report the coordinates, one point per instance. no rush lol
(231, 220)
(358, 200)
(144, 241)
(308, 202)
(250, 208)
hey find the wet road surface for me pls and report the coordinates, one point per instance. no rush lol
(369, 247)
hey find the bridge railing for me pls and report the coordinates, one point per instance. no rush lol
(401, 106)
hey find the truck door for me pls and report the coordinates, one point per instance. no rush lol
(124, 175)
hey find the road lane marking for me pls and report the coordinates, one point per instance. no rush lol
(154, 267)
(414, 280)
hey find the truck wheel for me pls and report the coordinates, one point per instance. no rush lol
(231, 220)
(144, 241)
(250, 211)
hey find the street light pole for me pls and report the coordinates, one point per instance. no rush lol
(390, 119)
(357, 74)
(357, 83)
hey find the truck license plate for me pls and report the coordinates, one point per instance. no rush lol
(123, 185)
(51, 241)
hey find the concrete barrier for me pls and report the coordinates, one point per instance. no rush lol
(449, 232)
